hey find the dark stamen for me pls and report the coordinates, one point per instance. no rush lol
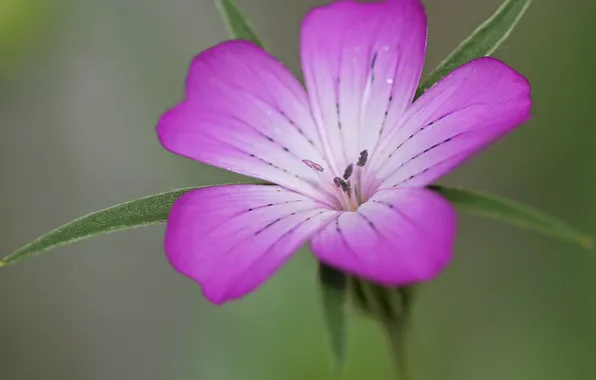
(348, 172)
(363, 158)
(313, 165)
(342, 185)
(337, 181)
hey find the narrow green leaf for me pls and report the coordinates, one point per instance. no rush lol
(140, 212)
(482, 42)
(513, 213)
(398, 329)
(333, 294)
(154, 209)
(237, 22)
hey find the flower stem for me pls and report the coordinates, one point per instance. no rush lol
(391, 307)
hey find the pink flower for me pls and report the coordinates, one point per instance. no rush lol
(351, 156)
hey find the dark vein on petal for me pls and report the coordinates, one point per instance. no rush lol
(424, 127)
(313, 184)
(410, 219)
(260, 257)
(413, 222)
(435, 165)
(291, 124)
(246, 211)
(383, 237)
(223, 82)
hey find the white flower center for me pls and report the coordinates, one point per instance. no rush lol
(348, 188)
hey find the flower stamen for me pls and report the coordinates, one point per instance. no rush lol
(349, 182)
(348, 172)
(363, 158)
(314, 165)
(343, 185)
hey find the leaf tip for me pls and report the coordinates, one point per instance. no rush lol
(2, 263)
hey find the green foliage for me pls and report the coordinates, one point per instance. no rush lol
(237, 22)
(507, 211)
(155, 208)
(138, 213)
(482, 42)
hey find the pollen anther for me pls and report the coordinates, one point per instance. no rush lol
(313, 165)
(363, 158)
(339, 182)
(348, 172)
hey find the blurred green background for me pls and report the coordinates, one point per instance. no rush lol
(82, 84)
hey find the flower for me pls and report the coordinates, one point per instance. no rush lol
(351, 155)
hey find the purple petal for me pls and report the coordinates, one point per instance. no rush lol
(400, 236)
(361, 63)
(230, 239)
(246, 113)
(472, 107)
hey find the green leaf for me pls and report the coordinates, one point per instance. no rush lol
(513, 213)
(237, 22)
(154, 209)
(333, 294)
(141, 212)
(482, 42)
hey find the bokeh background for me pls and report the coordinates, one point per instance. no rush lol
(82, 83)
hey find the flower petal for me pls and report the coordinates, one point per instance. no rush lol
(245, 112)
(400, 236)
(472, 107)
(362, 63)
(230, 239)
